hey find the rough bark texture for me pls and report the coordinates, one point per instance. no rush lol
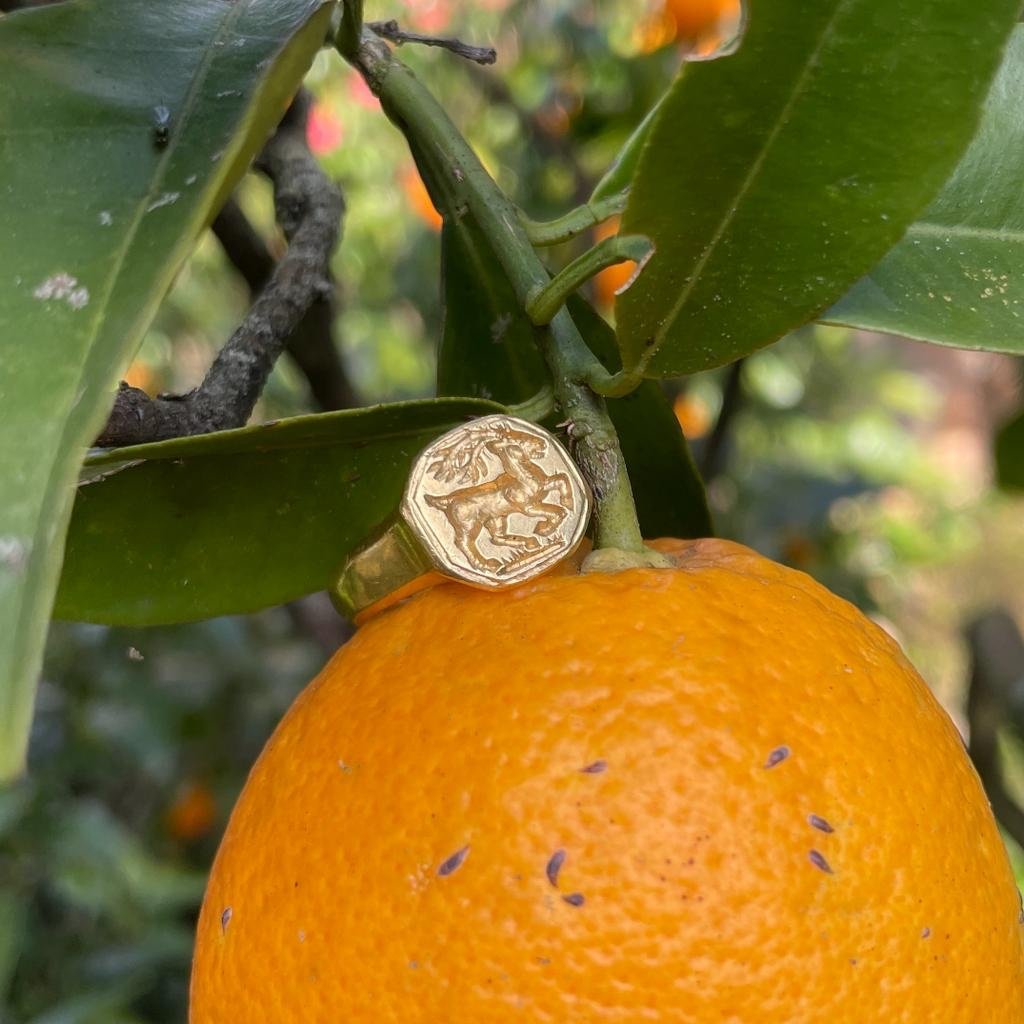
(309, 209)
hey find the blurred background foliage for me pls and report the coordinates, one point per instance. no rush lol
(862, 460)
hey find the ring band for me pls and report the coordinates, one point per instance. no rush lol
(491, 504)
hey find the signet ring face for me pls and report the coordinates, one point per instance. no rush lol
(491, 503)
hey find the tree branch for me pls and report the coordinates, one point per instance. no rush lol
(309, 210)
(311, 346)
(394, 33)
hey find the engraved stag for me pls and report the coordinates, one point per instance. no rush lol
(520, 486)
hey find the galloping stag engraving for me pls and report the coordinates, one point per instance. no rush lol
(520, 486)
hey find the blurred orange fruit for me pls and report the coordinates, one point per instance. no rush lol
(142, 376)
(799, 550)
(193, 812)
(703, 25)
(698, 27)
(419, 198)
(693, 415)
(703, 793)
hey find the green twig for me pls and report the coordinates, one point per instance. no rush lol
(435, 138)
(575, 222)
(615, 385)
(543, 303)
(350, 29)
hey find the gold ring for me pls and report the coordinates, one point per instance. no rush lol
(492, 503)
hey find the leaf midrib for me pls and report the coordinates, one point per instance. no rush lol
(936, 229)
(754, 171)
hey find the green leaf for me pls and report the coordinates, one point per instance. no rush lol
(669, 492)
(239, 520)
(1010, 455)
(99, 866)
(957, 276)
(776, 177)
(619, 176)
(97, 212)
(107, 1007)
(488, 346)
(13, 915)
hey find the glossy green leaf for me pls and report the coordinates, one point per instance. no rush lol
(957, 276)
(669, 491)
(1010, 455)
(239, 520)
(122, 122)
(775, 178)
(488, 346)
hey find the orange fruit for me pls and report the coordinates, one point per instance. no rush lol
(141, 375)
(693, 415)
(713, 792)
(419, 198)
(700, 24)
(192, 813)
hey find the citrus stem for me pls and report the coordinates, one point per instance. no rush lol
(575, 222)
(595, 445)
(545, 302)
(350, 28)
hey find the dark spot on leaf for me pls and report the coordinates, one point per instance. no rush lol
(543, 960)
(595, 767)
(777, 756)
(554, 866)
(853, 961)
(820, 824)
(575, 899)
(819, 862)
(454, 862)
(925, 933)
(225, 920)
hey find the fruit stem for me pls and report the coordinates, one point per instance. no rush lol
(595, 445)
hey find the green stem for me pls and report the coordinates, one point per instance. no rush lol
(351, 28)
(432, 134)
(615, 385)
(575, 222)
(544, 303)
